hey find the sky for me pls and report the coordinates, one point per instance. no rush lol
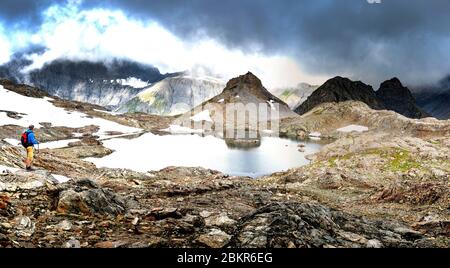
(283, 42)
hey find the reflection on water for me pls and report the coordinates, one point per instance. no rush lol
(153, 152)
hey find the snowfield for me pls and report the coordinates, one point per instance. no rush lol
(176, 129)
(45, 145)
(13, 142)
(202, 116)
(56, 144)
(353, 128)
(315, 136)
(35, 111)
(133, 82)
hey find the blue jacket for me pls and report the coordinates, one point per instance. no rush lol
(31, 138)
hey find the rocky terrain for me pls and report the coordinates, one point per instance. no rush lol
(174, 95)
(384, 186)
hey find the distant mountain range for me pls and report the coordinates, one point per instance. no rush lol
(105, 84)
(435, 99)
(174, 95)
(128, 86)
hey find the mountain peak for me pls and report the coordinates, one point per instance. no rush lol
(339, 89)
(248, 78)
(398, 98)
(393, 83)
(247, 89)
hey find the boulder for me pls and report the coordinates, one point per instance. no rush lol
(214, 239)
(86, 197)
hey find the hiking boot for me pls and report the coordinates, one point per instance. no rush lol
(30, 169)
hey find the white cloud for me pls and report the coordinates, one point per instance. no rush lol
(100, 34)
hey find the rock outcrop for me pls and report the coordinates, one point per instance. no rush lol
(341, 89)
(88, 198)
(307, 225)
(327, 118)
(398, 98)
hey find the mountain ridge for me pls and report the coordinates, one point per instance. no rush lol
(391, 95)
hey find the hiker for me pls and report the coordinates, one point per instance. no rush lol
(28, 141)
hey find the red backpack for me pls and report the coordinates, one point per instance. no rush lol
(24, 139)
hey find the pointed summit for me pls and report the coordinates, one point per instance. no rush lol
(248, 78)
(339, 89)
(398, 98)
(248, 89)
(393, 83)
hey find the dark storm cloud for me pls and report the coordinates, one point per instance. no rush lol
(405, 38)
(372, 42)
(26, 13)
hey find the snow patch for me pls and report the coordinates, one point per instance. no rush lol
(315, 136)
(39, 110)
(107, 112)
(56, 144)
(176, 129)
(221, 100)
(202, 116)
(61, 178)
(13, 142)
(204, 78)
(134, 82)
(272, 105)
(5, 168)
(353, 128)
(77, 135)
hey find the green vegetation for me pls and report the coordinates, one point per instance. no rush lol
(286, 94)
(399, 160)
(156, 102)
(402, 161)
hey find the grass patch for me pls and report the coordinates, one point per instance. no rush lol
(398, 159)
(332, 161)
(402, 161)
